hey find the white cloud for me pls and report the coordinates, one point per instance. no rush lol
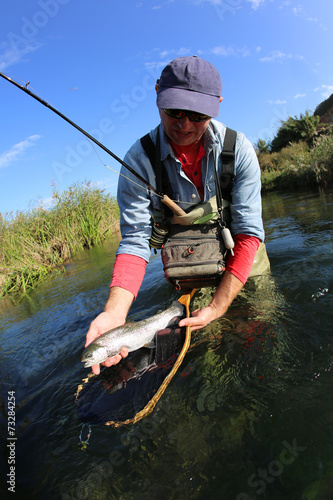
(213, 2)
(106, 183)
(326, 90)
(165, 53)
(297, 96)
(17, 150)
(255, 4)
(278, 56)
(313, 19)
(220, 50)
(154, 67)
(300, 12)
(11, 54)
(277, 102)
(184, 51)
(223, 51)
(172, 53)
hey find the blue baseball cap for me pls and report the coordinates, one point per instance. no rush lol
(190, 83)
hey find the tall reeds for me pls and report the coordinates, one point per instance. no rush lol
(34, 243)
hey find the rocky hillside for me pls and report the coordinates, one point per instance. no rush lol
(325, 110)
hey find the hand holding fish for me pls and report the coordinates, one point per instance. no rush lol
(114, 315)
(102, 323)
(107, 347)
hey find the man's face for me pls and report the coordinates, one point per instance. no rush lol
(182, 131)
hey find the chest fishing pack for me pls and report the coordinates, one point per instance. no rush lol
(194, 246)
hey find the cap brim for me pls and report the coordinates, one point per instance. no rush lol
(175, 98)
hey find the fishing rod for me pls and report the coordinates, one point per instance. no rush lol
(165, 199)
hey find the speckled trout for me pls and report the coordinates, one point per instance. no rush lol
(131, 335)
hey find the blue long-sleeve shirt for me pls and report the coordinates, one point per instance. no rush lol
(137, 205)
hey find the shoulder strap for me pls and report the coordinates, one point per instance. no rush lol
(153, 151)
(228, 163)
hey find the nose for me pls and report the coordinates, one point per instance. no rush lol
(184, 123)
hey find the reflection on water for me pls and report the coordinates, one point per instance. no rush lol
(249, 413)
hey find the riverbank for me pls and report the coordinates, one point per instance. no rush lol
(298, 165)
(38, 242)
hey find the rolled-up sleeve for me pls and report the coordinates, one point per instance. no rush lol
(246, 212)
(134, 202)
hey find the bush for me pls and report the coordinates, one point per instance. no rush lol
(294, 130)
(321, 159)
(268, 161)
(279, 161)
(298, 166)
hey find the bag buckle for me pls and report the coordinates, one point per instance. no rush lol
(188, 251)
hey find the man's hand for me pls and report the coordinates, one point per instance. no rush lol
(225, 293)
(114, 315)
(200, 318)
(101, 324)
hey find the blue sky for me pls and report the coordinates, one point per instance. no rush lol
(97, 62)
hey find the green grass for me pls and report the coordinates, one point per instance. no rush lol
(35, 243)
(298, 165)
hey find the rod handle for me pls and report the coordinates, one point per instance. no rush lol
(172, 205)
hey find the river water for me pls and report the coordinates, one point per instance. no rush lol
(249, 414)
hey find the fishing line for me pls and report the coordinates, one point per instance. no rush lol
(127, 178)
(130, 180)
(145, 189)
(119, 173)
(165, 199)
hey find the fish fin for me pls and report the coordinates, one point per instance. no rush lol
(150, 345)
(174, 321)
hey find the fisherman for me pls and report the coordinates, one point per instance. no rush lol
(188, 98)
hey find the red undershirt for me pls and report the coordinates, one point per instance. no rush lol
(191, 164)
(129, 270)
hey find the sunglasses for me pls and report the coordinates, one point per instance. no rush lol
(191, 115)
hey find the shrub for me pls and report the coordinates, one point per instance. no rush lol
(298, 166)
(294, 130)
(321, 159)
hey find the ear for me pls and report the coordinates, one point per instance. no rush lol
(221, 99)
(156, 88)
